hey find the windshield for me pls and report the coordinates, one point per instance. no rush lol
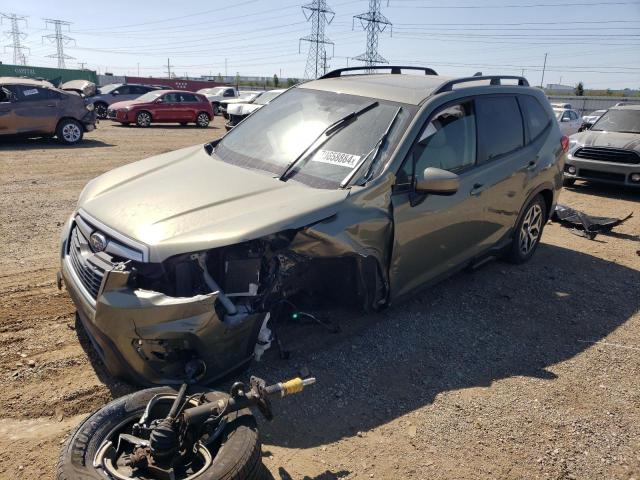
(266, 97)
(212, 91)
(624, 121)
(108, 88)
(597, 113)
(149, 96)
(277, 134)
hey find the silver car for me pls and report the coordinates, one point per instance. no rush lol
(608, 152)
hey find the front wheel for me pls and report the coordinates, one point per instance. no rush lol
(528, 231)
(233, 455)
(143, 119)
(69, 131)
(101, 109)
(202, 120)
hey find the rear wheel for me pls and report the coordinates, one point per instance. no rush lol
(202, 120)
(69, 131)
(233, 455)
(143, 119)
(216, 108)
(528, 231)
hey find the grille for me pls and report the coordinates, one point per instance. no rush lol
(614, 177)
(608, 155)
(89, 273)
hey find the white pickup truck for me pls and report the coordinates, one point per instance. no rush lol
(216, 94)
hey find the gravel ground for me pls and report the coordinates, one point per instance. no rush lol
(506, 372)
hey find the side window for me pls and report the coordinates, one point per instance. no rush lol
(574, 115)
(124, 90)
(228, 93)
(188, 97)
(534, 114)
(27, 93)
(5, 95)
(448, 142)
(171, 97)
(138, 90)
(500, 128)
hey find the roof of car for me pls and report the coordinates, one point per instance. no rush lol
(626, 107)
(175, 91)
(411, 89)
(24, 81)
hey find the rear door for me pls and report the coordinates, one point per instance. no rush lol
(188, 107)
(435, 233)
(36, 109)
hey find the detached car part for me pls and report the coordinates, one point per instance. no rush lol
(168, 434)
(585, 225)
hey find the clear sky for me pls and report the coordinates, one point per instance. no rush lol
(597, 42)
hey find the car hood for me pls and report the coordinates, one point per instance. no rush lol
(188, 201)
(124, 104)
(590, 138)
(243, 108)
(85, 87)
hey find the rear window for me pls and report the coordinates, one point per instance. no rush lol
(535, 115)
(500, 127)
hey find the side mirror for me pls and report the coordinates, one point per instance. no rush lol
(158, 100)
(113, 94)
(564, 119)
(437, 182)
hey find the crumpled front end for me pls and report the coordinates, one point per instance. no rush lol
(152, 322)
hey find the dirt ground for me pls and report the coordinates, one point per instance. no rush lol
(525, 371)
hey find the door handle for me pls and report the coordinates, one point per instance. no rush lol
(51, 105)
(477, 189)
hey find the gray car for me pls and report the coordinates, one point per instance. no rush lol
(355, 189)
(117, 92)
(609, 152)
(35, 108)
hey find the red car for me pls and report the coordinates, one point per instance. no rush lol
(163, 106)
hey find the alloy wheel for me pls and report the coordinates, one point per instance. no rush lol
(203, 120)
(530, 230)
(71, 133)
(144, 119)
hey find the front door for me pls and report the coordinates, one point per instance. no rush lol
(435, 233)
(167, 109)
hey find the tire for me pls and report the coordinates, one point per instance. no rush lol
(202, 120)
(69, 131)
(216, 108)
(238, 458)
(143, 119)
(528, 231)
(101, 109)
(568, 182)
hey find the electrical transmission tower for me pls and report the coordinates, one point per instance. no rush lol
(320, 15)
(60, 40)
(374, 23)
(16, 36)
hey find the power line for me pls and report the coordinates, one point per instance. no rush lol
(320, 15)
(530, 5)
(374, 22)
(19, 57)
(60, 40)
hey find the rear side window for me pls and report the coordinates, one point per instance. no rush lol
(27, 93)
(228, 93)
(500, 127)
(171, 97)
(188, 97)
(534, 114)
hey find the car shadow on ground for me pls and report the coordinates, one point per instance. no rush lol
(165, 126)
(20, 144)
(469, 331)
(608, 191)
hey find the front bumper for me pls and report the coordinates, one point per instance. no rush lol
(147, 337)
(89, 121)
(119, 115)
(599, 171)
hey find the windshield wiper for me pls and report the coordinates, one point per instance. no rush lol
(373, 153)
(327, 133)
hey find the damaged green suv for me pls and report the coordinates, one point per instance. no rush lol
(352, 187)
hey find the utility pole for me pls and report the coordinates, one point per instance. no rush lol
(82, 64)
(19, 57)
(225, 69)
(60, 40)
(374, 23)
(138, 69)
(168, 69)
(320, 15)
(544, 67)
(325, 67)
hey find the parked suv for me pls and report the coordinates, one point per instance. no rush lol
(351, 188)
(163, 106)
(217, 94)
(117, 92)
(36, 108)
(609, 152)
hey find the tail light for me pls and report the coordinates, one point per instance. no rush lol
(564, 143)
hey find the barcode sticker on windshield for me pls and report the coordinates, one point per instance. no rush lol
(336, 158)
(33, 91)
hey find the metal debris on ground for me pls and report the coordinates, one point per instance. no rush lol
(585, 225)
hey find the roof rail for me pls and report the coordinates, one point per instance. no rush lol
(495, 80)
(395, 69)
